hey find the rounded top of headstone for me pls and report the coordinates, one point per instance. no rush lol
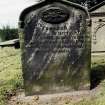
(48, 2)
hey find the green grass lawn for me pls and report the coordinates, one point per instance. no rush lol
(10, 73)
(98, 59)
(11, 76)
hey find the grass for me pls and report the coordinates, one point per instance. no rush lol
(10, 73)
(11, 76)
(98, 100)
(98, 69)
(97, 79)
(98, 59)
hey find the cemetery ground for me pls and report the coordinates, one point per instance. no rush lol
(11, 82)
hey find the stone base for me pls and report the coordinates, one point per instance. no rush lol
(51, 99)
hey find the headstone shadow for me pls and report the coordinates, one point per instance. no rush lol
(97, 75)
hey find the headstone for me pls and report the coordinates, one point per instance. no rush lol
(97, 14)
(55, 42)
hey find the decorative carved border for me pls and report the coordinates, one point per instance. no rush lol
(100, 24)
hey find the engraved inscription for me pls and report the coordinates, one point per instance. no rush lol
(56, 50)
(66, 38)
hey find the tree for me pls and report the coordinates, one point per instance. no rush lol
(7, 33)
(89, 3)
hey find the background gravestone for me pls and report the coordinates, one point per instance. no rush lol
(55, 43)
(98, 27)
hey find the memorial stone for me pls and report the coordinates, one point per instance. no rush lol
(56, 47)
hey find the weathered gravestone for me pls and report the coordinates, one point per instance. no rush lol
(98, 27)
(55, 43)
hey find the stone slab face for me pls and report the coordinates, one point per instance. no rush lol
(55, 43)
(98, 28)
(98, 34)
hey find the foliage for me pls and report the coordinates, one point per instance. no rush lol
(7, 33)
(88, 3)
